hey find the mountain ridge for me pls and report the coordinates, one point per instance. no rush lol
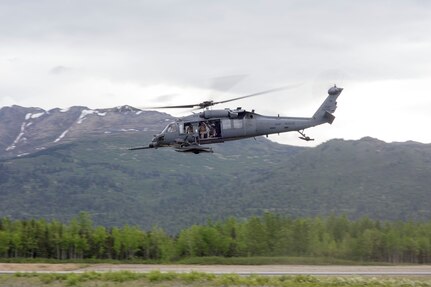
(25, 130)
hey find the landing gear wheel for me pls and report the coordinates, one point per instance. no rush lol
(304, 137)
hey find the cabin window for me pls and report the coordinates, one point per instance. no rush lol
(227, 124)
(188, 129)
(237, 124)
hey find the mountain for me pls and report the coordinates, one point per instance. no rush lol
(26, 130)
(78, 161)
(367, 177)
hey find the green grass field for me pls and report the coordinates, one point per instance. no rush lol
(156, 278)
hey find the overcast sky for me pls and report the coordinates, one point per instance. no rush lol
(105, 53)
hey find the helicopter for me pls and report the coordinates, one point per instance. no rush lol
(189, 134)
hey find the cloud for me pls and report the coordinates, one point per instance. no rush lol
(105, 53)
(57, 70)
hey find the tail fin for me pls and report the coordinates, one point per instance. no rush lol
(325, 113)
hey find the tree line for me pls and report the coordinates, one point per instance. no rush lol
(269, 235)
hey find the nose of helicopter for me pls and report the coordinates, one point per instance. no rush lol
(157, 139)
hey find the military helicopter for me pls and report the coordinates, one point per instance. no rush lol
(189, 134)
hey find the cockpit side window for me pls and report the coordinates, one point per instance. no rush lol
(171, 128)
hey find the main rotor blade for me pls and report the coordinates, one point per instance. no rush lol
(211, 103)
(259, 93)
(174, 107)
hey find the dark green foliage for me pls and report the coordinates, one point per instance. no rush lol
(362, 240)
(241, 179)
(144, 188)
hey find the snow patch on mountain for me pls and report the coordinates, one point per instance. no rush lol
(13, 145)
(61, 136)
(85, 113)
(34, 116)
(23, 154)
(37, 115)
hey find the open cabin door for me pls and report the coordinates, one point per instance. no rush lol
(206, 130)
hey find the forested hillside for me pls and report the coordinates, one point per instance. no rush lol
(244, 178)
(269, 235)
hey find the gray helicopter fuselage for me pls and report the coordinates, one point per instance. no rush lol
(216, 126)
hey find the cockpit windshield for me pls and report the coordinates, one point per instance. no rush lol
(171, 128)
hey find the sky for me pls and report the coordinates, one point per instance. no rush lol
(104, 53)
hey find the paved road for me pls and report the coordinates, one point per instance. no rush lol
(414, 270)
(275, 269)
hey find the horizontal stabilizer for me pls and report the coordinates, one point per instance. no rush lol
(329, 117)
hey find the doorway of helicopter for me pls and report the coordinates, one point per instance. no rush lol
(204, 130)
